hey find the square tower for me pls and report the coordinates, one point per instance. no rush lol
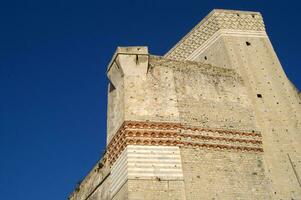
(215, 118)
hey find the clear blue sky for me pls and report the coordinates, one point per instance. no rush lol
(53, 85)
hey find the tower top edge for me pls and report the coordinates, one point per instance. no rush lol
(129, 50)
(234, 11)
(217, 19)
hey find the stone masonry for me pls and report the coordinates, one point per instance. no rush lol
(215, 118)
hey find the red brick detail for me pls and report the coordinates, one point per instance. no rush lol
(171, 134)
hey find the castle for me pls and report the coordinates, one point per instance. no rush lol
(214, 118)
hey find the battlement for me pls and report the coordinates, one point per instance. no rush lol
(215, 23)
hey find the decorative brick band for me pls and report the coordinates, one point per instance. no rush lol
(231, 21)
(176, 134)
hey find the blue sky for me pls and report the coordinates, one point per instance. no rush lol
(53, 85)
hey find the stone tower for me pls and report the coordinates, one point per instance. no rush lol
(215, 118)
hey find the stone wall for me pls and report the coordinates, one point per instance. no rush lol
(156, 189)
(190, 93)
(211, 174)
(273, 97)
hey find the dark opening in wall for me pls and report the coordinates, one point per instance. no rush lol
(111, 87)
(205, 57)
(259, 96)
(248, 43)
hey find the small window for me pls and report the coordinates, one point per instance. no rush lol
(248, 43)
(259, 96)
(205, 57)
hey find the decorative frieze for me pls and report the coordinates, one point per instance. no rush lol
(234, 22)
(176, 134)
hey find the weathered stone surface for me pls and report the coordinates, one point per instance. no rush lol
(215, 118)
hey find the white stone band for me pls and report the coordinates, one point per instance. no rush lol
(224, 32)
(146, 162)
